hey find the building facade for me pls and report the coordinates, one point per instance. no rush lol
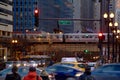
(84, 10)
(117, 12)
(76, 15)
(6, 26)
(87, 12)
(24, 15)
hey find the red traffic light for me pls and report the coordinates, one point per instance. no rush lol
(101, 36)
(36, 16)
(36, 11)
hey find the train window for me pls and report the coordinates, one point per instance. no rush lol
(66, 36)
(90, 36)
(70, 36)
(76, 36)
(84, 36)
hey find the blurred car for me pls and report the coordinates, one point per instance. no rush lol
(33, 63)
(77, 65)
(9, 64)
(92, 65)
(25, 63)
(21, 70)
(107, 72)
(62, 72)
(17, 63)
(40, 63)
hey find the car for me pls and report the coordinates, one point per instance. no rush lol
(24, 63)
(33, 63)
(107, 72)
(77, 65)
(62, 72)
(22, 70)
(9, 64)
(92, 65)
(17, 63)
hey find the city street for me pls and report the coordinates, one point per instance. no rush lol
(60, 39)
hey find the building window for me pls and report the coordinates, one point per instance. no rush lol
(16, 9)
(8, 34)
(3, 33)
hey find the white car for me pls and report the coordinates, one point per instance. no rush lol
(25, 63)
(17, 63)
(33, 63)
(9, 64)
(92, 65)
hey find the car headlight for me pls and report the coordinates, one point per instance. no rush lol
(78, 74)
(34, 65)
(9, 65)
(25, 64)
(18, 65)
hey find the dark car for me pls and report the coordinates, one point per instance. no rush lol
(107, 72)
(21, 70)
(62, 72)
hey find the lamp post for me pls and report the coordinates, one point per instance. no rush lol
(113, 26)
(14, 42)
(118, 37)
(116, 45)
(113, 37)
(108, 19)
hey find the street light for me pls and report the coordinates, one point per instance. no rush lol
(14, 42)
(108, 21)
(116, 40)
(113, 26)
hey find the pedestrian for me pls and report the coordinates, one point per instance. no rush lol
(32, 75)
(14, 75)
(86, 75)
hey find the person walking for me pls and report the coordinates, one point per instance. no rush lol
(14, 75)
(87, 75)
(32, 75)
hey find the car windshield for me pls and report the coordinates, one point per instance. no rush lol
(67, 64)
(81, 65)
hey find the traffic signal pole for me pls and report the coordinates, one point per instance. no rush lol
(36, 16)
(100, 46)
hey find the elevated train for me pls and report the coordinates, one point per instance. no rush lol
(60, 37)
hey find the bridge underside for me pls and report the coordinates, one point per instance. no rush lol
(65, 47)
(62, 50)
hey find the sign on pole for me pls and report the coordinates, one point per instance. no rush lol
(64, 22)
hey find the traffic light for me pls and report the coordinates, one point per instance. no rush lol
(36, 16)
(101, 37)
(86, 51)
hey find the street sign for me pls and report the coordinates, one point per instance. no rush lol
(64, 22)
